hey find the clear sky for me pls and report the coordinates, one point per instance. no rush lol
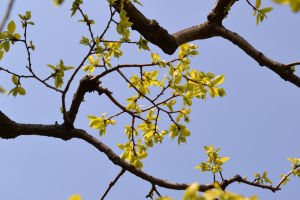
(256, 124)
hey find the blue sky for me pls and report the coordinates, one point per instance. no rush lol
(256, 124)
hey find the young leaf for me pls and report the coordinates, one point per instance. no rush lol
(11, 27)
(15, 79)
(1, 54)
(257, 4)
(21, 91)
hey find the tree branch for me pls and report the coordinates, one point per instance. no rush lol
(159, 36)
(10, 129)
(113, 183)
(6, 16)
(86, 84)
(283, 70)
(150, 29)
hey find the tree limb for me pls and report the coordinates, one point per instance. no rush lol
(159, 36)
(10, 130)
(283, 70)
(111, 184)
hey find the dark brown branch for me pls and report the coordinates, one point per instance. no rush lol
(12, 73)
(150, 29)
(198, 32)
(250, 4)
(86, 84)
(157, 35)
(87, 22)
(10, 129)
(6, 16)
(286, 176)
(109, 95)
(220, 11)
(29, 67)
(77, 100)
(282, 70)
(123, 66)
(111, 184)
(153, 189)
(293, 64)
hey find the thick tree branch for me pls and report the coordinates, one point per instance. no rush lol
(157, 35)
(220, 11)
(284, 71)
(199, 32)
(10, 129)
(86, 84)
(150, 29)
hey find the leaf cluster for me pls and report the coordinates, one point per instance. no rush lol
(262, 178)
(8, 37)
(59, 73)
(214, 161)
(100, 123)
(260, 13)
(17, 89)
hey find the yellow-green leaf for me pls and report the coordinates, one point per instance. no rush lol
(218, 80)
(15, 79)
(11, 27)
(224, 159)
(75, 197)
(1, 54)
(21, 91)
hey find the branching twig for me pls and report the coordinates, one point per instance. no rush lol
(254, 8)
(286, 176)
(87, 22)
(109, 95)
(29, 67)
(153, 189)
(292, 64)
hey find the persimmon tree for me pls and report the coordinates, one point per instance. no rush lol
(159, 89)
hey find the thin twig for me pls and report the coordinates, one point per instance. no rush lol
(29, 67)
(221, 176)
(286, 176)
(146, 97)
(153, 189)
(292, 64)
(87, 22)
(113, 183)
(108, 94)
(12, 73)
(254, 8)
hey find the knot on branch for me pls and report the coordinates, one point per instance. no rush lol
(88, 84)
(152, 31)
